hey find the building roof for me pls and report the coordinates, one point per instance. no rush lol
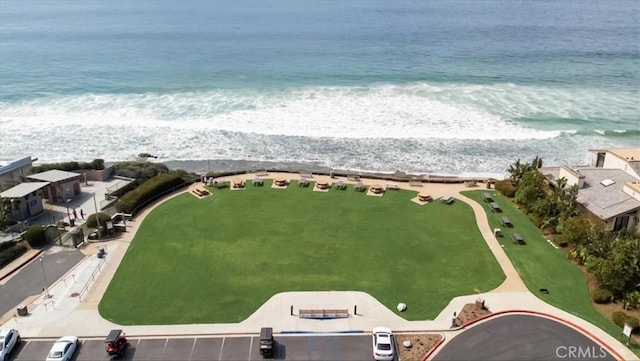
(23, 189)
(15, 165)
(606, 201)
(630, 154)
(54, 175)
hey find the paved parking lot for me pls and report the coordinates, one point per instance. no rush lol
(308, 347)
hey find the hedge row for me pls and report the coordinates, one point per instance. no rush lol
(506, 188)
(148, 190)
(9, 254)
(97, 164)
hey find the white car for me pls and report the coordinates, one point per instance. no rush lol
(63, 349)
(382, 343)
(9, 340)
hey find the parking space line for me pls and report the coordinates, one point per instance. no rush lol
(193, 347)
(250, 347)
(166, 341)
(221, 348)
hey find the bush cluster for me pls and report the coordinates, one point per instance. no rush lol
(601, 296)
(35, 236)
(620, 318)
(506, 188)
(148, 190)
(92, 220)
(10, 251)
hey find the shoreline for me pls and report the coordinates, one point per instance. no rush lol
(235, 165)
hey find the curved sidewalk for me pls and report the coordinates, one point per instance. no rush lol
(65, 314)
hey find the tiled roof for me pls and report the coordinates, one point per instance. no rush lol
(606, 201)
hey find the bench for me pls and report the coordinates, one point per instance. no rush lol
(393, 186)
(517, 239)
(487, 197)
(322, 314)
(506, 222)
(494, 207)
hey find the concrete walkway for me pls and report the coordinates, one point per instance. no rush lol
(73, 307)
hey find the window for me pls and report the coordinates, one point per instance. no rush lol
(621, 223)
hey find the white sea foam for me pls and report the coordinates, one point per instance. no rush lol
(443, 128)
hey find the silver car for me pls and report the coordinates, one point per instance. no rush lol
(9, 340)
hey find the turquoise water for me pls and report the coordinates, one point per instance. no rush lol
(448, 87)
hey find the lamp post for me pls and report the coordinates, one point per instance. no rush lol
(95, 205)
(44, 276)
(68, 214)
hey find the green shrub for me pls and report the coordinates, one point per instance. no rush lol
(10, 253)
(601, 296)
(7, 245)
(35, 236)
(92, 220)
(620, 318)
(148, 190)
(506, 188)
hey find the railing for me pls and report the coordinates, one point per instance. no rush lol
(92, 279)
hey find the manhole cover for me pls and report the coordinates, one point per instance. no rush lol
(75, 294)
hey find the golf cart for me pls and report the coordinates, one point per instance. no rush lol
(116, 343)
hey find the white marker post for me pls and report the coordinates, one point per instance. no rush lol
(626, 330)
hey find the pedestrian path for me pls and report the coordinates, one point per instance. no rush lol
(73, 307)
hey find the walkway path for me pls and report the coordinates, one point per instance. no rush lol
(65, 314)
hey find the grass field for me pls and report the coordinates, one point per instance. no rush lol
(542, 266)
(219, 258)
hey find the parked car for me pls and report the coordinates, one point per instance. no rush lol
(382, 344)
(9, 340)
(63, 349)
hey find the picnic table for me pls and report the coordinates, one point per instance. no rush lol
(506, 222)
(517, 239)
(487, 197)
(447, 199)
(495, 207)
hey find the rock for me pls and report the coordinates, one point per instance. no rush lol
(401, 307)
(407, 344)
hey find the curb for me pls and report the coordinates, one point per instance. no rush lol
(21, 264)
(433, 349)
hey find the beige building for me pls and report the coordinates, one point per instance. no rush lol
(610, 188)
(26, 200)
(62, 186)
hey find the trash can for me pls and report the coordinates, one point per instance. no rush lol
(22, 310)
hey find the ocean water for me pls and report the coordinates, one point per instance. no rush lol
(441, 87)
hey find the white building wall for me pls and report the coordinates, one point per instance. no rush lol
(613, 161)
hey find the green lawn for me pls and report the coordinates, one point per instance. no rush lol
(219, 258)
(542, 266)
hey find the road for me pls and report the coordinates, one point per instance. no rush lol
(30, 280)
(521, 337)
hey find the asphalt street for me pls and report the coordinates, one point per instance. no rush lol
(521, 337)
(299, 348)
(30, 279)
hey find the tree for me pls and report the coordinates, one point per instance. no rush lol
(530, 189)
(618, 272)
(575, 230)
